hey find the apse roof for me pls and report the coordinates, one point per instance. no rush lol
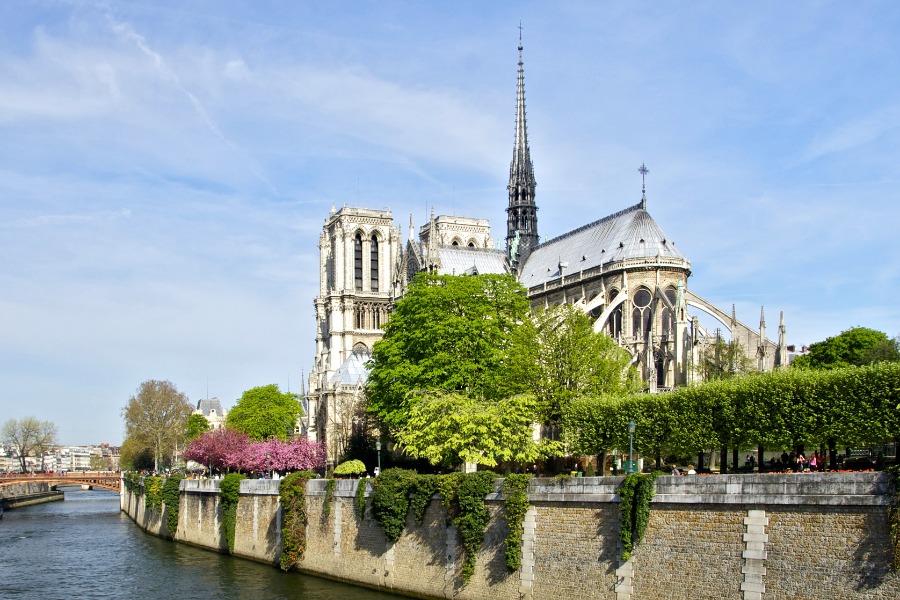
(460, 260)
(207, 405)
(630, 233)
(353, 371)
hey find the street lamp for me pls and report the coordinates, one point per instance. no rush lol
(378, 448)
(631, 427)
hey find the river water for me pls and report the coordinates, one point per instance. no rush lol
(84, 547)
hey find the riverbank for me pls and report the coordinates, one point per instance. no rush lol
(811, 535)
(19, 495)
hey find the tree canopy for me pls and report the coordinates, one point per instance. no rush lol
(195, 425)
(449, 333)
(155, 418)
(562, 358)
(854, 347)
(448, 429)
(264, 412)
(29, 436)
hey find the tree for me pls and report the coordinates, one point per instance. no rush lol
(264, 412)
(567, 359)
(133, 455)
(195, 425)
(45, 441)
(448, 429)
(218, 449)
(723, 360)
(29, 436)
(155, 417)
(449, 333)
(855, 347)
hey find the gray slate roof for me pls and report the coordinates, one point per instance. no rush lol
(630, 233)
(353, 371)
(207, 405)
(459, 260)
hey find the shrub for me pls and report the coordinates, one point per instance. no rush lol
(351, 467)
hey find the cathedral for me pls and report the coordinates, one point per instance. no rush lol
(622, 270)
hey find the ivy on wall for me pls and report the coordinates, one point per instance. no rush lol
(329, 494)
(229, 489)
(635, 495)
(515, 502)
(473, 516)
(390, 502)
(423, 490)
(171, 493)
(153, 491)
(361, 487)
(292, 493)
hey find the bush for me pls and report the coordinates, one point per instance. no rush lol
(351, 467)
(293, 506)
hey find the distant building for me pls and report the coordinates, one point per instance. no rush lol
(211, 408)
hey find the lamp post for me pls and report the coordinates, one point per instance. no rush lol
(378, 448)
(631, 427)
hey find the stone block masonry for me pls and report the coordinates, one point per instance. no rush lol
(730, 536)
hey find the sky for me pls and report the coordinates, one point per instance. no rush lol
(166, 167)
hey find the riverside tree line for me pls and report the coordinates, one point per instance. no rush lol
(466, 369)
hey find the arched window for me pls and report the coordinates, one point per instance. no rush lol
(668, 317)
(357, 261)
(614, 325)
(640, 313)
(373, 264)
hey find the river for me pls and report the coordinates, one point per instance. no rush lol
(84, 547)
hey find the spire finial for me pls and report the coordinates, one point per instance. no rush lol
(643, 170)
(520, 36)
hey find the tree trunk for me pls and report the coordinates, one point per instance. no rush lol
(601, 463)
(723, 460)
(699, 460)
(734, 458)
(760, 457)
(832, 454)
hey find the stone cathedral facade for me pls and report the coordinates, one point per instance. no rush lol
(622, 270)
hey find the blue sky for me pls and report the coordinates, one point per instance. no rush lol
(166, 167)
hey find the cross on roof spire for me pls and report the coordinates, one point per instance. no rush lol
(643, 170)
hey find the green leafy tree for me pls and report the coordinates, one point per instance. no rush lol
(155, 417)
(448, 429)
(852, 348)
(195, 426)
(563, 358)
(723, 360)
(448, 333)
(134, 456)
(264, 412)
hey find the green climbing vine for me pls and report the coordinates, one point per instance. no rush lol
(361, 486)
(153, 491)
(462, 495)
(473, 515)
(229, 489)
(515, 502)
(390, 502)
(329, 494)
(171, 493)
(292, 494)
(423, 490)
(635, 494)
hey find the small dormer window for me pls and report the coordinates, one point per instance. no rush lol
(642, 240)
(621, 244)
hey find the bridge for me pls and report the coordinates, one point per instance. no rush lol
(106, 480)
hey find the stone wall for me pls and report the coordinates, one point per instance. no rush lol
(18, 495)
(730, 536)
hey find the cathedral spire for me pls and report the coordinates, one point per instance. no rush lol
(521, 222)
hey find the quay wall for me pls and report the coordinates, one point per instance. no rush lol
(813, 535)
(18, 495)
